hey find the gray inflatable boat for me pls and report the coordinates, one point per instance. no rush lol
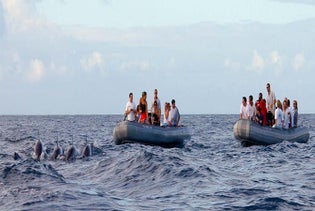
(133, 132)
(250, 133)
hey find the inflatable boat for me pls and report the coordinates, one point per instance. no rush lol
(250, 133)
(133, 132)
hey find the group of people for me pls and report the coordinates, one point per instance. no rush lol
(270, 112)
(141, 114)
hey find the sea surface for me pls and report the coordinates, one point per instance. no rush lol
(212, 171)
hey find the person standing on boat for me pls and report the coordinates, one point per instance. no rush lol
(244, 113)
(156, 106)
(174, 115)
(131, 109)
(156, 98)
(271, 102)
(143, 105)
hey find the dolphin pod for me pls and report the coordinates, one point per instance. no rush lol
(58, 153)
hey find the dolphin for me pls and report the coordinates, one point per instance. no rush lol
(43, 156)
(87, 150)
(16, 156)
(38, 150)
(57, 151)
(71, 153)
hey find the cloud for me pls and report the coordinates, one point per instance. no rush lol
(37, 50)
(232, 65)
(136, 65)
(28, 35)
(276, 62)
(92, 62)
(299, 61)
(11, 63)
(257, 62)
(36, 71)
(59, 70)
(275, 58)
(21, 15)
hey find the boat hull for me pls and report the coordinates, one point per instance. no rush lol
(250, 133)
(133, 132)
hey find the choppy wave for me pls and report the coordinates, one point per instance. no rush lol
(211, 172)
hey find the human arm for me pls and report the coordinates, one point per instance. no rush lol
(241, 112)
(127, 110)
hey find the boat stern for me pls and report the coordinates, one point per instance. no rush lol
(120, 132)
(241, 129)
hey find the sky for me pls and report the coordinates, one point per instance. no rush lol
(74, 57)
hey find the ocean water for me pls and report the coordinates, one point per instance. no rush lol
(211, 172)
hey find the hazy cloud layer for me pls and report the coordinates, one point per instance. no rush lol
(92, 62)
(299, 61)
(258, 62)
(81, 67)
(36, 70)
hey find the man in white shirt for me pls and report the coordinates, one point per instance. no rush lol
(271, 99)
(174, 115)
(251, 108)
(271, 102)
(244, 109)
(131, 109)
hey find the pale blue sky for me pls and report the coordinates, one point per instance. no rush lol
(144, 13)
(84, 57)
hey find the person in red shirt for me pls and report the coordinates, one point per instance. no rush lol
(262, 104)
(264, 111)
